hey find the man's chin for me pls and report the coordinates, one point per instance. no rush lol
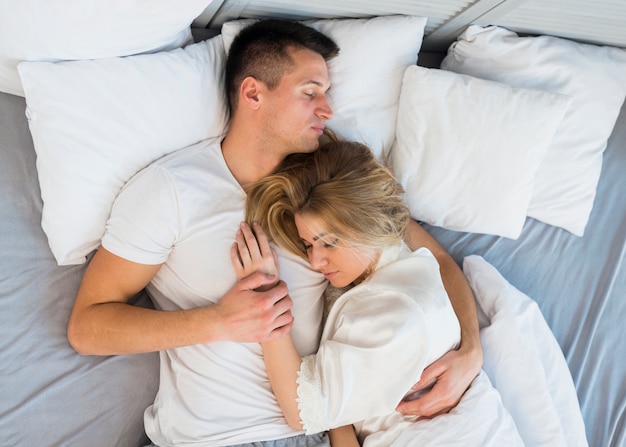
(310, 146)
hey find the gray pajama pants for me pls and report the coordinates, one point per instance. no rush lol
(317, 440)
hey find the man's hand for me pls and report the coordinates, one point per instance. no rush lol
(451, 374)
(103, 323)
(248, 315)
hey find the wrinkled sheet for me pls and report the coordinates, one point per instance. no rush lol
(50, 395)
(580, 287)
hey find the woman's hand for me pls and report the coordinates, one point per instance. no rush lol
(251, 252)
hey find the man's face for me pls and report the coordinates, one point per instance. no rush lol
(298, 108)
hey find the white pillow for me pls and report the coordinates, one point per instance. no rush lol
(366, 76)
(95, 123)
(63, 30)
(467, 150)
(595, 78)
(525, 362)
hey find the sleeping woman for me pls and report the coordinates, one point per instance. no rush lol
(344, 212)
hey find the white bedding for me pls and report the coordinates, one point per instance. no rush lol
(524, 363)
(477, 421)
(583, 305)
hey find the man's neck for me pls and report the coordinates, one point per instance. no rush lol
(247, 158)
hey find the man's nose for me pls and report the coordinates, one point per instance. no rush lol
(324, 110)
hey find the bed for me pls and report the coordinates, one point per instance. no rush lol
(533, 206)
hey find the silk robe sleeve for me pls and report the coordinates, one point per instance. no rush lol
(373, 352)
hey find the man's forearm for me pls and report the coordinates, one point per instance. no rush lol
(462, 299)
(456, 286)
(120, 328)
(103, 323)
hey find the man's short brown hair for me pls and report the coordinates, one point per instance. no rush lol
(261, 50)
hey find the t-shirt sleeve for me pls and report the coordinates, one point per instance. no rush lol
(375, 353)
(144, 223)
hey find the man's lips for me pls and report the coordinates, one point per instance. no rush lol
(318, 129)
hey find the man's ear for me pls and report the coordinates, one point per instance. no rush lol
(250, 92)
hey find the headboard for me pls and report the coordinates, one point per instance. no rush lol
(579, 20)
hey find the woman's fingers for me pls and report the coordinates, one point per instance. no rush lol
(250, 241)
(261, 238)
(253, 251)
(242, 243)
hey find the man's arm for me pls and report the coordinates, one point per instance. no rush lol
(103, 323)
(455, 370)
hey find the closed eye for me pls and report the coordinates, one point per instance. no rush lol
(331, 244)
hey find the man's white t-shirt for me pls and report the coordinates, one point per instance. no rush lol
(183, 211)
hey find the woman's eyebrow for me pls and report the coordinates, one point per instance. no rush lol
(319, 236)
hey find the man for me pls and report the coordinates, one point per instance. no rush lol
(171, 230)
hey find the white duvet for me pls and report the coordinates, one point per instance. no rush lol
(524, 362)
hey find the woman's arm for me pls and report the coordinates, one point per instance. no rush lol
(455, 370)
(282, 362)
(343, 437)
(252, 253)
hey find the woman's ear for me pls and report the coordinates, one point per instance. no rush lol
(250, 92)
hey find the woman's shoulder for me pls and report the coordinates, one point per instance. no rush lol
(398, 265)
(416, 276)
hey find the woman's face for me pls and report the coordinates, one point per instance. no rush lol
(339, 263)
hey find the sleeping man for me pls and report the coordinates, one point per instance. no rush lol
(171, 230)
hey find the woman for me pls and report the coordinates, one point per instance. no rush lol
(344, 212)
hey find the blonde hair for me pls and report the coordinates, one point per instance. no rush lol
(343, 186)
